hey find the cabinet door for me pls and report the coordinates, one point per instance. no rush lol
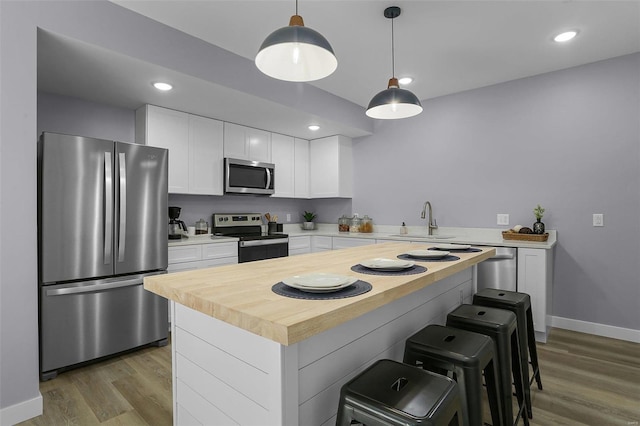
(259, 142)
(301, 169)
(299, 245)
(246, 143)
(235, 144)
(166, 128)
(283, 156)
(205, 156)
(330, 167)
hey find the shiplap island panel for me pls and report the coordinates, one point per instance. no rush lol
(244, 355)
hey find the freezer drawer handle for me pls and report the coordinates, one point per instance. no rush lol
(108, 202)
(123, 206)
(93, 288)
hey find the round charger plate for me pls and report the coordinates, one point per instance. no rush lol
(447, 258)
(415, 269)
(356, 289)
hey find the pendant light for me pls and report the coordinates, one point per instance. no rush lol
(394, 102)
(296, 53)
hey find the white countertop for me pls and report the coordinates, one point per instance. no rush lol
(476, 236)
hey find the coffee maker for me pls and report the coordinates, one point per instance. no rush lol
(176, 227)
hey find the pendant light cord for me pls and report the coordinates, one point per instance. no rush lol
(393, 58)
(296, 7)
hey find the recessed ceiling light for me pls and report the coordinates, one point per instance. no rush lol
(405, 80)
(162, 86)
(314, 127)
(565, 36)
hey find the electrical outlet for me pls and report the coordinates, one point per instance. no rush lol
(288, 217)
(598, 219)
(503, 219)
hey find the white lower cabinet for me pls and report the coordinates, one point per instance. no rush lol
(346, 242)
(535, 277)
(299, 245)
(320, 243)
(197, 256)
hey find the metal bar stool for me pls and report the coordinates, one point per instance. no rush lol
(393, 393)
(467, 355)
(519, 304)
(501, 326)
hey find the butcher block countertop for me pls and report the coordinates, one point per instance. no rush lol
(241, 294)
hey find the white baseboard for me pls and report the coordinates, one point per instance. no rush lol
(597, 329)
(22, 411)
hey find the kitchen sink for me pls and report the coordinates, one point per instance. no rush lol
(425, 236)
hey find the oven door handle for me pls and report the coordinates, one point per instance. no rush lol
(256, 243)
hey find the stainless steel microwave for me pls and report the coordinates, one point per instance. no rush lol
(248, 177)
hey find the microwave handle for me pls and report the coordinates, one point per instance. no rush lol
(268, 178)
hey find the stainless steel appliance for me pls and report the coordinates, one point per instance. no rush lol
(102, 209)
(253, 244)
(499, 271)
(248, 177)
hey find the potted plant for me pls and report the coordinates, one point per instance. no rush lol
(538, 226)
(308, 220)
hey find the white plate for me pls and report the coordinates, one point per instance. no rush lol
(319, 281)
(383, 264)
(427, 254)
(452, 246)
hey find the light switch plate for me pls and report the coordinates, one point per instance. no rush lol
(288, 217)
(598, 219)
(503, 219)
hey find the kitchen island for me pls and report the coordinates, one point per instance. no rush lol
(244, 355)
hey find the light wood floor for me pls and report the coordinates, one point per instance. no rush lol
(588, 380)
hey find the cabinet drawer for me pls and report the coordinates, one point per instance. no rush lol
(219, 250)
(319, 243)
(299, 243)
(181, 254)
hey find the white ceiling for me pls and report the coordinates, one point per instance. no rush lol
(446, 46)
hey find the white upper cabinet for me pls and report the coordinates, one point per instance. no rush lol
(205, 156)
(283, 156)
(194, 144)
(301, 169)
(247, 143)
(331, 167)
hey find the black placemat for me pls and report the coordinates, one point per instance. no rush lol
(447, 258)
(469, 250)
(355, 289)
(415, 269)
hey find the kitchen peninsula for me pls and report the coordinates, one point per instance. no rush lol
(243, 354)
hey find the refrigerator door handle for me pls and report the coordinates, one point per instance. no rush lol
(123, 205)
(108, 202)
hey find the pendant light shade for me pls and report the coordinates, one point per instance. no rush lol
(394, 102)
(296, 53)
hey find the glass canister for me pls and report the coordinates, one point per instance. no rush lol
(343, 224)
(201, 227)
(355, 224)
(367, 225)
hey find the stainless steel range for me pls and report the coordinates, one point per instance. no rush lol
(254, 244)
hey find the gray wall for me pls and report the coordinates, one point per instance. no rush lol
(568, 140)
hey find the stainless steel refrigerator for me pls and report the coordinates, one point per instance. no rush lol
(102, 227)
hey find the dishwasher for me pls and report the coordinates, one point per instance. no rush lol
(499, 271)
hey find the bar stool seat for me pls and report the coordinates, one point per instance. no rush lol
(393, 393)
(520, 305)
(501, 326)
(467, 355)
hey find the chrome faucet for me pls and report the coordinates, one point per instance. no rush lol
(431, 225)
